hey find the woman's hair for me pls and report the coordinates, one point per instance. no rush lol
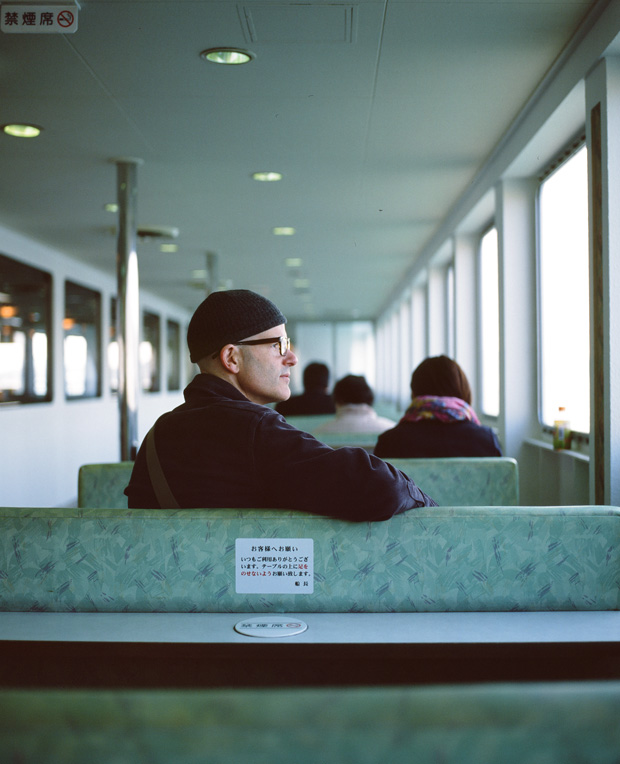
(352, 389)
(442, 376)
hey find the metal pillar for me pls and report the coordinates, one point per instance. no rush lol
(128, 311)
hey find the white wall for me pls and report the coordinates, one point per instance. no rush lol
(44, 444)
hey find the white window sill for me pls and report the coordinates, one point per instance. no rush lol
(569, 454)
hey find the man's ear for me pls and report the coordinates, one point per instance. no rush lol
(230, 358)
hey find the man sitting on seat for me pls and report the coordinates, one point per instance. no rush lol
(224, 447)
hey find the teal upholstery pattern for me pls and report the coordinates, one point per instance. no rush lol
(465, 481)
(428, 560)
(102, 485)
(464, 724)
(458, 482)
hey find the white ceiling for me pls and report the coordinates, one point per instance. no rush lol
(379, 114)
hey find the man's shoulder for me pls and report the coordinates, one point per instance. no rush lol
(210, 398)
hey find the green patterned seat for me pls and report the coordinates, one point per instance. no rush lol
(475, 481)
(102, 485)
(464, 724)
(435, 559)
(465, 481)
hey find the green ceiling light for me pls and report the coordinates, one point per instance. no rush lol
(18, 130)
(283, 231)
(293, 262)
(227, 55)
(267, 176)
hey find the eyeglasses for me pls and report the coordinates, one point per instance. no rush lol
(284, 342)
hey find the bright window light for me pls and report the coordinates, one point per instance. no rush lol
(489, 322)
(76, 359)
(564, 294)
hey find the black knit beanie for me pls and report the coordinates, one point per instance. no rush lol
(227, 317)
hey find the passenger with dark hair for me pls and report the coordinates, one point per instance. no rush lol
(440, 420)
(225, 447)
(315, 398)
(354, 397)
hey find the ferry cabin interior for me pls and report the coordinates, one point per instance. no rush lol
(431, 174)
(403, 132)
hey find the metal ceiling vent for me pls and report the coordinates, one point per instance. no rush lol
(288, 23)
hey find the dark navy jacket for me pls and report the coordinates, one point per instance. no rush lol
(218, 449)
(430, 438)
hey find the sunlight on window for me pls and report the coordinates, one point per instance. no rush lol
(76, 358)
(113, 364)
(12, 360)
(489, 322)
(564, 294)
(146, 362)
(39, 363)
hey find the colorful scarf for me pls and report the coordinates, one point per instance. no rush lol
(443, 408)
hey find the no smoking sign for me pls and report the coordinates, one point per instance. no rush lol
(39, 19)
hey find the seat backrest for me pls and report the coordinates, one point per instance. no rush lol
(102, 485)
(473, 481)
(434, 559)
(465, 481)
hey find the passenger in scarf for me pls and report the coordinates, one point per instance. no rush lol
(440, 421)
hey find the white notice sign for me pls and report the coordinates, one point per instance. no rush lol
(39, 19)
(274, 566)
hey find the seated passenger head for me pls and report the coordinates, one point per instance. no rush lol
(440, 376)
(316, 377)
(352, 389)
(229, 317)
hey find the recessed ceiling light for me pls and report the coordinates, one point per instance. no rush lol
(169, 248)
(267, 176)
(227, 55)
(293, 262)
(301, 283)
(283, 231)
(110, 207)
(22, 130)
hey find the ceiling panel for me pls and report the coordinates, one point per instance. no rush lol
(379, 114)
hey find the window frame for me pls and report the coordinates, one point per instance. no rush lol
(479, 332)
(96, 355)
(47, 284)
(565, 155)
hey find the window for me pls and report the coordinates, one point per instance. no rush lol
(149, 353)
(564, 294)
(450, 307)
(82, 326)
(113, 352)
(25, 311)
(173, 347)
(489, 323)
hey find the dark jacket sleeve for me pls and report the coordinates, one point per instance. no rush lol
(299, 472)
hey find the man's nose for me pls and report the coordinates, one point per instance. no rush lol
(290, 359)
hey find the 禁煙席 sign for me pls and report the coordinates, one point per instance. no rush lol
(39, 19)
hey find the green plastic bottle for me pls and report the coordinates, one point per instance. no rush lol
(562, 435)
